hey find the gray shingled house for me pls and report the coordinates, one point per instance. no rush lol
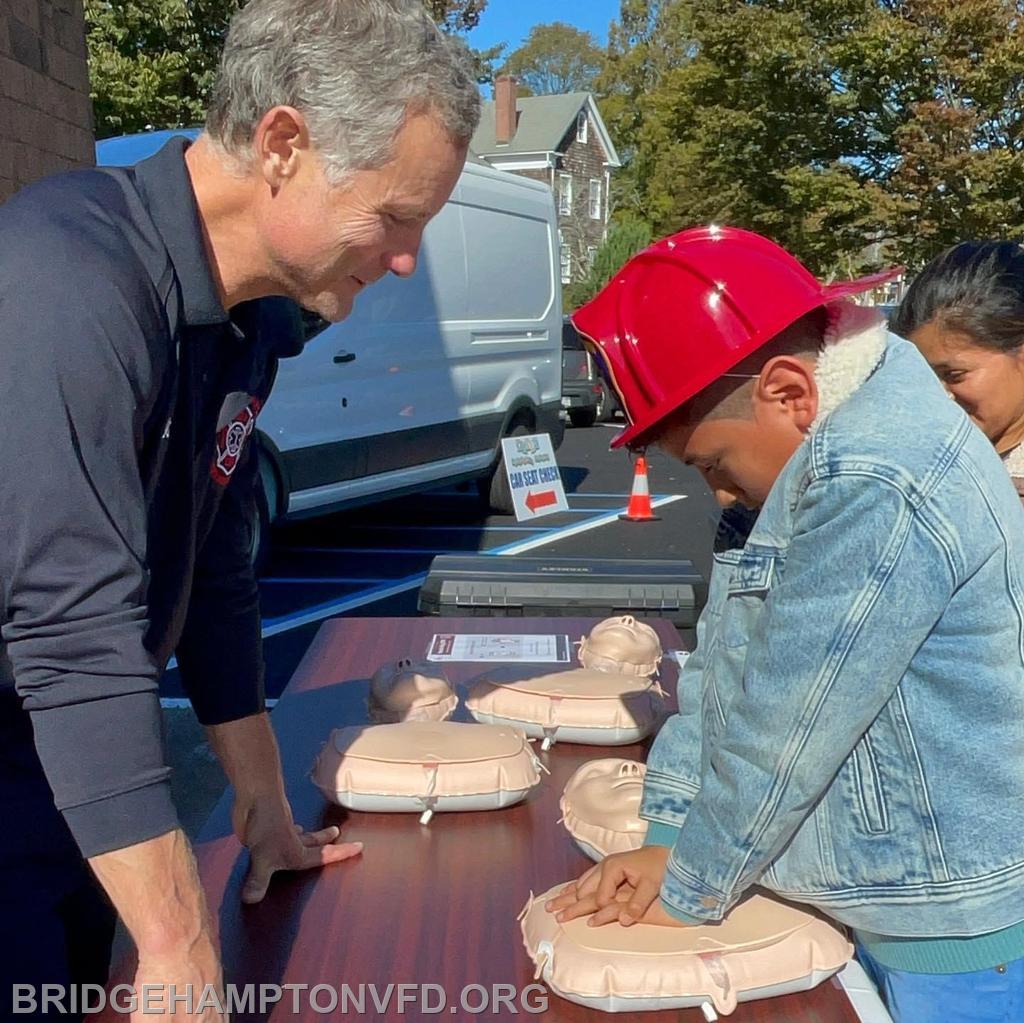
(562, 141)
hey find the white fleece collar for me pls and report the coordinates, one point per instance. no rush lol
(1014, 461)
(853, 347)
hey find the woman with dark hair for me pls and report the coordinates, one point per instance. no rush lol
(965, 312)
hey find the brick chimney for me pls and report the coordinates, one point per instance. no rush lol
(504, 109)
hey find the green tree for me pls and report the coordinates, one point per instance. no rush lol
(556, 58)
(487, 63)
(958, 166)
(731, 113)
(152, 63)
(624, 241)
(851, 131)
(456, 15)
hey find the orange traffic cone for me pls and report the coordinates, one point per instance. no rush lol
(639, 509)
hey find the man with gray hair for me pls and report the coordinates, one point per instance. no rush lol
(133, 363)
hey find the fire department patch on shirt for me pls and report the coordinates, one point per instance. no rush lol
(236, 421)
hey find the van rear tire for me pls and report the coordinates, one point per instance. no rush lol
(582, 417)
(494, 488)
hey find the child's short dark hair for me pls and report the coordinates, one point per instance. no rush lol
(974, 288)
(726, 398)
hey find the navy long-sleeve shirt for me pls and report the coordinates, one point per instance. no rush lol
(128, 397)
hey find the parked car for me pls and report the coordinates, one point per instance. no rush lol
(419, 385)
(585, 397)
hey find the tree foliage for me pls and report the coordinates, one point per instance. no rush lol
(958, 160)
(556, 58)
(826, 124)
(152, 63)
(624, 241)
(456, 15)
(852, 131)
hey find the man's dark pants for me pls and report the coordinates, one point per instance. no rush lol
(56, 923)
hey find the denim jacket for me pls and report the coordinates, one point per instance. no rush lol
(851, 731)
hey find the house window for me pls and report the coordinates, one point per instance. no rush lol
(595, 199)
(565, 194)
(591, 254)
(565, 256)
(582, 125)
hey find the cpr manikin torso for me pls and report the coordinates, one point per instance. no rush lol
(601, 807)
(621, 645)
(762, 948)
(426, 766)
(406, 691)
(584, 705)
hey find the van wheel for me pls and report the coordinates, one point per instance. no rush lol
(494, 488)
(266, 498)
(605, 406)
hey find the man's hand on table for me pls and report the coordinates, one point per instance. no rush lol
(261, 815)
(623, 887)
(264, 825)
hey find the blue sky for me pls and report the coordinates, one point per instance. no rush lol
(510, 21)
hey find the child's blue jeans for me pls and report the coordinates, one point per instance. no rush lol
(988, 996)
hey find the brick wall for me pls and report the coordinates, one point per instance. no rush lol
(585, 161)
(45, 111)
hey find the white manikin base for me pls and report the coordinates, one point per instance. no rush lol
(617, 1003)
(373, 803)
(564, 733)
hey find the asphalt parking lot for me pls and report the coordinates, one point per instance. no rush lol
(372, 561)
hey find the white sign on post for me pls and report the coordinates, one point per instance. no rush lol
(533, 476)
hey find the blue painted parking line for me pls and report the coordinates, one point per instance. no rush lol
(324, 580)
(449, 529)
(581, 495)
(372, 550)
(286, 623)
(581, 527)
(581, 511)
(624, 496)
(612, 497)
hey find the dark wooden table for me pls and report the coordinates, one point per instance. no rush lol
(423, 905)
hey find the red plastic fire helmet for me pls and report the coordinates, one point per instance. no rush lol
(689, 308)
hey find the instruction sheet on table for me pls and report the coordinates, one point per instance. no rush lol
(536, 649)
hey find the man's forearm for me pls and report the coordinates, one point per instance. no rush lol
(247, 750)
(155, 888)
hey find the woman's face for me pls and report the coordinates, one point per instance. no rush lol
(987, 384)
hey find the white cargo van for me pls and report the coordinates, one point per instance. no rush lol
(418, 386)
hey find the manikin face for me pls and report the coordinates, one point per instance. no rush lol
(740, 458)
(621, 644)
(326, 243)
(987, 384)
